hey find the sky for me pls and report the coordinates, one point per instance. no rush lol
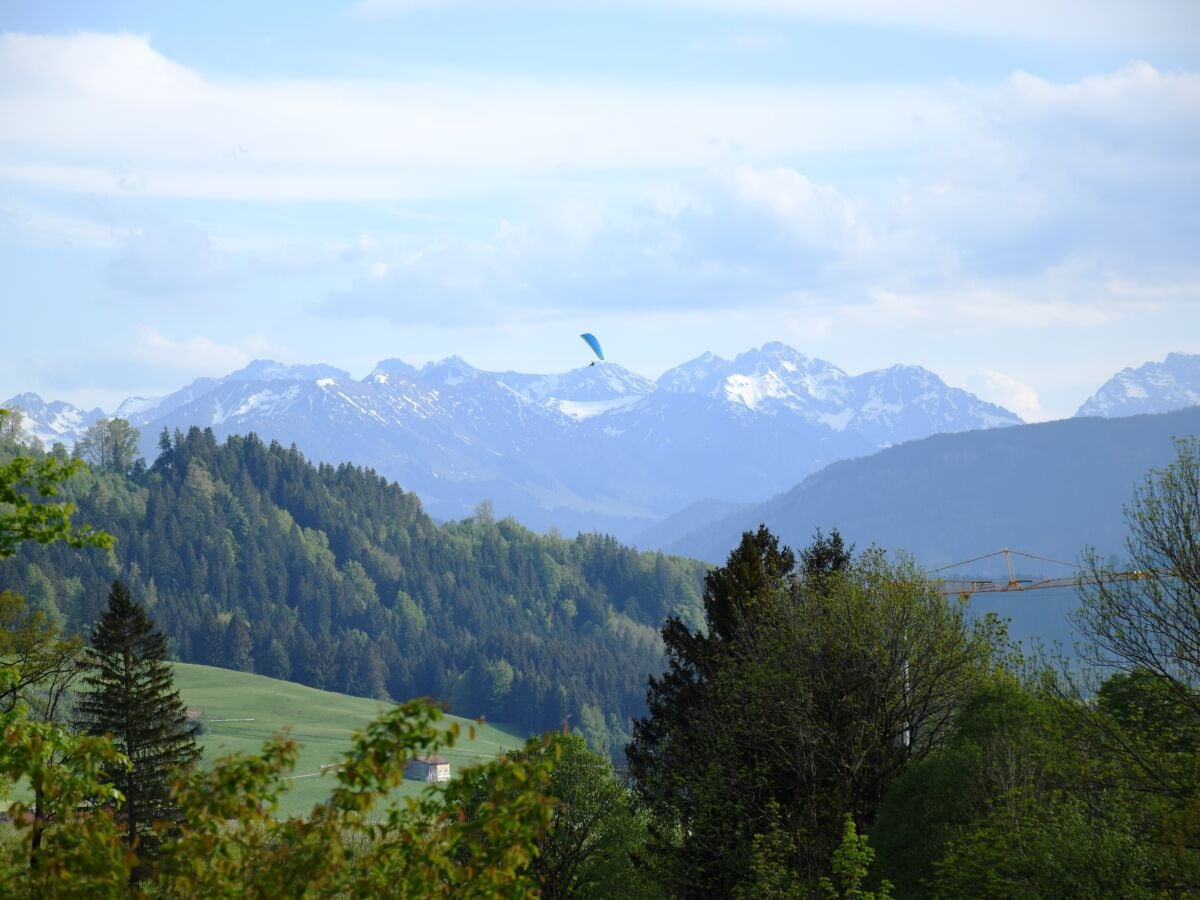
(1006, 194)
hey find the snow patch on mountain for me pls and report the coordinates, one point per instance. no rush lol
(752, 390)
(586, 409)
(839, 420)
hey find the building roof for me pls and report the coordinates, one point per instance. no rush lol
(432, 760)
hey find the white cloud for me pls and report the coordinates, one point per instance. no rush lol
(985, 181)
(195, 355)
(1023, 207)
(981, 309)
(143, 362)
(1009, 393)
(109, 114)
(814, 214)
(746, 236)
(732, 236)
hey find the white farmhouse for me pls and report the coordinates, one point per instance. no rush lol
(428, 768)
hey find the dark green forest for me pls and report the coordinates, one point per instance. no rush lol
(250, 557)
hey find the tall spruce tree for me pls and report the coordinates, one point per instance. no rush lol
(818, 678)
(130, 695)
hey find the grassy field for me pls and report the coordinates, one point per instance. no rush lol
(241, 711)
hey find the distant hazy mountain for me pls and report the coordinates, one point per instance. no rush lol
(691, 518)
(596, 448)
(145, 409)
(1050, 489)
(1154, 387)
(54, 422)
(883, 407)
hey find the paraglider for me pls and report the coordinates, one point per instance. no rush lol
(590, 340)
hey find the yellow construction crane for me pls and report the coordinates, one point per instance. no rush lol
(967, 587)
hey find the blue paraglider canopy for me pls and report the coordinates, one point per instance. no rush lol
(591, 341)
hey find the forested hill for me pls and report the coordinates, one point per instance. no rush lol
(1054, 488)
(252, 558)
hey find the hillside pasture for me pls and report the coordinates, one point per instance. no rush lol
(240, 711)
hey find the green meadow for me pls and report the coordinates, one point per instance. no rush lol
(241, 711)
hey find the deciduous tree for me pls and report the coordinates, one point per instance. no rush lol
(109, 444)
(37, 667)
(28, 481)
(365, 841)
(1152, 623)
(1142, 636)
(813, 686)
(595, 842)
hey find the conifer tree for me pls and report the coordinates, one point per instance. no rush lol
(130, 695)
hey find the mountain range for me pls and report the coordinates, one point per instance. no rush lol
(1150, 388)
(595, 448)
(599, 448)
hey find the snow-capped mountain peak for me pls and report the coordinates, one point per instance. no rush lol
(766, 379)
(603, 381)
(270, 370)
(140, 410)
(448, 372)
(588, 391)
(390, 369)
(1150, 388)
(56, 421)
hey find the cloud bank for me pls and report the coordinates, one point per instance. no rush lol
(852, 213)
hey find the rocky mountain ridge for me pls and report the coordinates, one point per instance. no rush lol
(1154, 387)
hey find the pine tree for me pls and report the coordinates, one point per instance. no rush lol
(130, 695)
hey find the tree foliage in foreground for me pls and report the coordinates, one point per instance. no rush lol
(1083, 782)
(32, 646)
(60, 846)
(1149, 627)
(28, 512)
(63, 771)
(816, 682)
(1143, 637)
(1017, 803)
(595, 844)
(364, 842)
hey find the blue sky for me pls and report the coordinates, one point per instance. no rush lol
(1009, 197)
